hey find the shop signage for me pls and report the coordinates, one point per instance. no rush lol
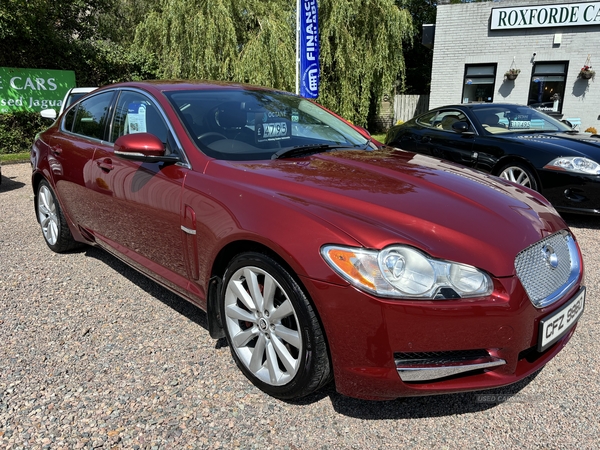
(33, 89)
(558, 15)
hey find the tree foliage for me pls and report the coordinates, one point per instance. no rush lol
(254, 41)
(418, 57)
(361, 54)
(91, 37)
(49, 34)
(250, 41)
(17, 131)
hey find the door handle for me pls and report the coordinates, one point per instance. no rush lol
(105, 164)
(425, 139)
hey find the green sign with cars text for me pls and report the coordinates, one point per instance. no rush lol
(33, 89)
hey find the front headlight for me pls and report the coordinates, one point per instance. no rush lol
(577, 164)
(405, 272)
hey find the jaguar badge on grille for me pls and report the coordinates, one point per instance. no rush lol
(550, 256)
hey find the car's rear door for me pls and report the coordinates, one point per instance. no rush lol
(70, 154)
(138, 204)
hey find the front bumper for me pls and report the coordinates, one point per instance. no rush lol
(372, 340)
(571, 192)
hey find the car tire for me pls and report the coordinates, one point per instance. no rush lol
(276, 339)
(520, 174)
(52, 221)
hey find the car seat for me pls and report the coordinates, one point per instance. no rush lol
(448, 121)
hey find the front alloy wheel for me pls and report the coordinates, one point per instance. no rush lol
(273, 332)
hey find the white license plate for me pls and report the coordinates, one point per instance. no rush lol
(553, 327)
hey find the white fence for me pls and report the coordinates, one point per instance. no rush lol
(401, 107)
(408, 106)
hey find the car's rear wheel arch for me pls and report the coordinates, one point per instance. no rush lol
(510, 160)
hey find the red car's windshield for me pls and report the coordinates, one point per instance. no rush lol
(253, 124)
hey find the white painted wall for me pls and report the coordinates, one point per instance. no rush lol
(462, 36)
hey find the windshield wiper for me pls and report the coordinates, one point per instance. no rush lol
(303, 150)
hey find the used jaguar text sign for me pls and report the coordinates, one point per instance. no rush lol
(33, 89)
(566, 14)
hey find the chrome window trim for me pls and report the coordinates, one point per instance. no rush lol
(185, 162)
(75, 105)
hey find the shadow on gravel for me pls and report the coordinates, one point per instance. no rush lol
(8, 184)
(432, 406)
(162, 294)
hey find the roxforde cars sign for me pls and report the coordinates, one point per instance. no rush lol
(33, 89)
(566, 14)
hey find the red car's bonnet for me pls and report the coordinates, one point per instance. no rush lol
(378, 199)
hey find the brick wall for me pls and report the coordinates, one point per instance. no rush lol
(462, 36)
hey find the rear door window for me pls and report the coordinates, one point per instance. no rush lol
(91, 116)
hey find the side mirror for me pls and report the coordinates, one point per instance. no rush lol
(567, 123)
(143, 147)
(462, 128)
(48, 113)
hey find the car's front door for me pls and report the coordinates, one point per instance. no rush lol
(440, 139)
(138, 204)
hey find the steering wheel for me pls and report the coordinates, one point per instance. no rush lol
(212, 134)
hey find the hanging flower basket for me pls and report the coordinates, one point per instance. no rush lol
(586, 73)
(512, 74)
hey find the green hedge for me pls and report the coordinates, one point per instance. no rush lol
(18, 130)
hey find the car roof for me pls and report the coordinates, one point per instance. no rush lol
(184, 85)
(479, 105)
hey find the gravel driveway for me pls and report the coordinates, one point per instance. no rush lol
(94, 355)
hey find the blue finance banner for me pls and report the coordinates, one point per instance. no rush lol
(309, 49)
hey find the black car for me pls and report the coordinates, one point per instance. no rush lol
(514, 142)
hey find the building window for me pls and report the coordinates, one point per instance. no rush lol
(479, 83)
(547, 87)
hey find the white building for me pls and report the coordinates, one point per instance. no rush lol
(550, 41)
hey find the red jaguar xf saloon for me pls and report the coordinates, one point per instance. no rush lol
(317, 252)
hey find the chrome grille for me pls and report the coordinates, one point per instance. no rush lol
(548, 268)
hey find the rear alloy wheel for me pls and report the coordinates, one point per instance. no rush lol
(518, 173)
(272, 330)
(54, 226)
